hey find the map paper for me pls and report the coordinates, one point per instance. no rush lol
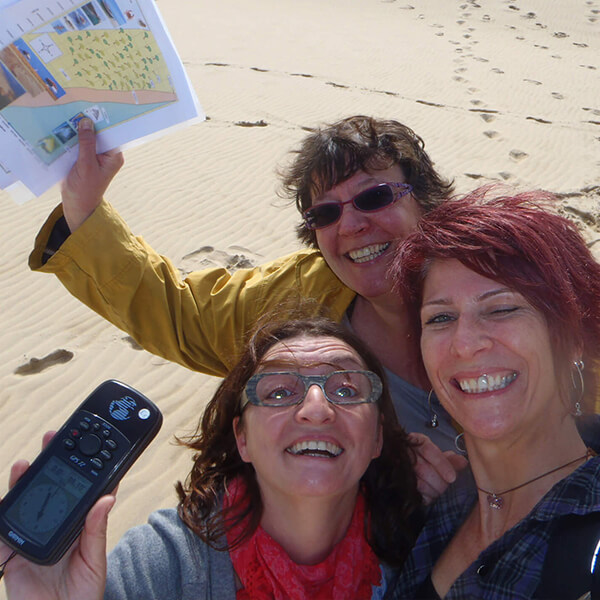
(62, 60)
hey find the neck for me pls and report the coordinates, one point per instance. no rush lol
(383, 324)
(498, 468)
(309, 528)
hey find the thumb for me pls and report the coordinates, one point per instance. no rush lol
(92, 545)
(87, 140)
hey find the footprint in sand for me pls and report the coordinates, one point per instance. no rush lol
(260, 123)
(557, 96)
(560, 34)
(131, 342)
(474, 175)
(209, 257)
(518, 154)
(37, 365)
(505, 175)
(497, 70)
(491, 133)
(534, 81)
(487, 117)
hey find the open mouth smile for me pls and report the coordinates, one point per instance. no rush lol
(485, 383)
(315, 448)
(362, 255)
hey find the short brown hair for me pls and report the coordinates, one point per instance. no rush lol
(333, 153)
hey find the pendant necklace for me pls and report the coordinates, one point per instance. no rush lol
(496, 501)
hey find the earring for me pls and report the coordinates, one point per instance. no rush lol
(433, 418)
(579, 366)
(459, 443)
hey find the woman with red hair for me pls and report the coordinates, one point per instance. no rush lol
(505, 299)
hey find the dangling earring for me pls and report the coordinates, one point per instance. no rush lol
(433, 418)
(579, 366)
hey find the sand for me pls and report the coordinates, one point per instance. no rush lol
(501, 91)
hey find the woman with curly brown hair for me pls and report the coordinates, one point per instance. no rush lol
(302, 486)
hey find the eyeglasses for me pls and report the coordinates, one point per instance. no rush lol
(288, 388)
(370, 200)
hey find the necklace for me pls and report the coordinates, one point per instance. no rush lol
(495, 500)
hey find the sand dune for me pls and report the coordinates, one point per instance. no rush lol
(501, 91)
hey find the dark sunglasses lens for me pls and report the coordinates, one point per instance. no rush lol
(374, 198)
(322, 215)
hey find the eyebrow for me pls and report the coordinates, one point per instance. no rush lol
(480, 298)
(338, 366)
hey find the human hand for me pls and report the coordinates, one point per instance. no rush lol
(435, 469)
(81, 573)
(84, 186)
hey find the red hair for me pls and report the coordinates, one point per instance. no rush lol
(520, 242)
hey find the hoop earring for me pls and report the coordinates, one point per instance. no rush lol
(459, 444)
(579, 366)
(433, 418)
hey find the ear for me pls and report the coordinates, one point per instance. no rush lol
(379, 441)
(240, 439)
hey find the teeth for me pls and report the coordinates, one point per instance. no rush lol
(368, 252)
(486, 383)
(315, 448)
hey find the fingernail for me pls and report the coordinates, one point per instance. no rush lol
(86, 124)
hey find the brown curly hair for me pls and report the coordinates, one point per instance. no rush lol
(333, 153)
(389, 484)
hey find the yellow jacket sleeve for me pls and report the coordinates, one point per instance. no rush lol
(200, 322)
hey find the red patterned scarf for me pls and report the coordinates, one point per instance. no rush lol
(268, 573)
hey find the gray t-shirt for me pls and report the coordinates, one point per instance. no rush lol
(414, 414)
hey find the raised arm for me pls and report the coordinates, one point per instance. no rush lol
(84, 187)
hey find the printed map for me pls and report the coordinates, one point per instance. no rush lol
(98, 59)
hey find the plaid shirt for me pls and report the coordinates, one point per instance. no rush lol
(511, 567)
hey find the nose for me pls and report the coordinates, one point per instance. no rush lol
(352, 220)
(315, 408)
(469, 337)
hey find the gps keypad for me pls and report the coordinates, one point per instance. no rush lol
(93, 444)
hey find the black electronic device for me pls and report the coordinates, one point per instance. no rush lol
(42, 515)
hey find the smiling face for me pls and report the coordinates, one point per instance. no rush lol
(359, 246)
(488, 354)
(314, 448)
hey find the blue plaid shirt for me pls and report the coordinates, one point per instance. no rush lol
(511, 567)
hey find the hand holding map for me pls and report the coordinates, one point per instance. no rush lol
(111, 61)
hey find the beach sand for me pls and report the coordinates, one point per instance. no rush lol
(501, 91)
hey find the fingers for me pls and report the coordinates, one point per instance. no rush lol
(92, 545)
(435, 469)
(47, 437)
(16, 472)
(458, 461)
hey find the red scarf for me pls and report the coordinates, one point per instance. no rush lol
(268, 573)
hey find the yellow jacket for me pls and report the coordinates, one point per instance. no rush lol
(200, 322)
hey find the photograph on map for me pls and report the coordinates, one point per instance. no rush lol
(64, 132)
(59, 27)
(92, 14)
(49, 144)
(79, 19)
(10, 88)
(112, 10)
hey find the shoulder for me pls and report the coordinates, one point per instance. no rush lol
(163, 558)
